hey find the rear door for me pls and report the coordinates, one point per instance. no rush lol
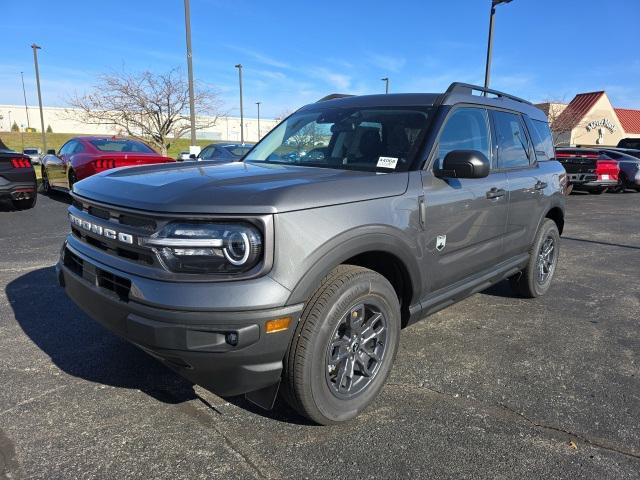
(516, 158)
(465, 217)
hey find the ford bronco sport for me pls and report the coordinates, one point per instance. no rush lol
(295, 269)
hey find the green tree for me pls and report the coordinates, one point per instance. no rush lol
(49, 129)
(15, 127)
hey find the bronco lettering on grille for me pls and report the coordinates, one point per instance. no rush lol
(102, 231)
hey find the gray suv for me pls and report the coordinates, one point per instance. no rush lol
(294, 270)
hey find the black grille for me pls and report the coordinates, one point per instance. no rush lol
(99, 212)
(73, 262)
(115, 285)
(146, 224)
(138, 225)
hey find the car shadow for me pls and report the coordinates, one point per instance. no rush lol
(501, 289)
(6, 205)
(57, 195)
(81, 347)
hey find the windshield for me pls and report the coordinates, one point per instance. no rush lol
(238, 151)
(120, 145)
(369, 139)
(30, 151)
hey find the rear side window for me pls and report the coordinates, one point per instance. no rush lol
(120, 145)
(466, 129)
(513, 144)
(542, 139)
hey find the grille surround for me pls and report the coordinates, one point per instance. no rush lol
(141, 259)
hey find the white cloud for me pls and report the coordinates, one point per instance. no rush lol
(388, 63)
(335, 79)
(259, 57)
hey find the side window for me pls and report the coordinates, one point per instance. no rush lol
(77, 148)
(207, 153)
(68, 147)
(542, 139)
(465, 129)
(513, 145)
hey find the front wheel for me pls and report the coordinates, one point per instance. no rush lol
(535, 279)
(344, 346)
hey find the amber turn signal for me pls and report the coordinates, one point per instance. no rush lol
(277, 325)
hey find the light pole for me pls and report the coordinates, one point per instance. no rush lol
(239, 67)
(192, 109)
(386, 84)
(35, 62)
(258, 104)
(487, 72)
(24, 93)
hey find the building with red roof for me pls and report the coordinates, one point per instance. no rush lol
(591, 119)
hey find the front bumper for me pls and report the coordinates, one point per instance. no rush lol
(225, 351)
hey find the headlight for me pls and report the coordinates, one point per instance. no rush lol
(207, 247)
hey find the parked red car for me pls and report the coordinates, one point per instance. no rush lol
(82, 157)
(589, 169)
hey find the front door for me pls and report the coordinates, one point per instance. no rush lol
(465, 218)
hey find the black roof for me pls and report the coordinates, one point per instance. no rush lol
(456, 93)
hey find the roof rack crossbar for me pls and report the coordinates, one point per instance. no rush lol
(467, 88)
(333, 96)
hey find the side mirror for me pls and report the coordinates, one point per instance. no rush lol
(465, 164)
(51, 152)
(192, 156)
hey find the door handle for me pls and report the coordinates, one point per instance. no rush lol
(540, 185)
(496, 193)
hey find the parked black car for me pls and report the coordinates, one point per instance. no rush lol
(629, 165)
(588, 169)
(629, 143)
(225, 152)
(17, 178)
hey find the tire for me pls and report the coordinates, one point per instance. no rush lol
(528, 283)
(329, 328)
(46, 186)
(72, 179)
(25, 204)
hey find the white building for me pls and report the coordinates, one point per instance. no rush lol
(226, 128)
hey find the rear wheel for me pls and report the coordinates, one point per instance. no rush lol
(72, 180)
(46, 185)
(344, 346)
(535, 279)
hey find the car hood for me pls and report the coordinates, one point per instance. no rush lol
(239, 187)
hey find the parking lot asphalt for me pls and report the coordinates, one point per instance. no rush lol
(492, 387)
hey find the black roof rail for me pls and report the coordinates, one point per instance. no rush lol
(333, 96)
(468, 89)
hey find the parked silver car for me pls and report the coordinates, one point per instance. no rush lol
(34, 154)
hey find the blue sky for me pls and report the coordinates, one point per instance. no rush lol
(294, 52)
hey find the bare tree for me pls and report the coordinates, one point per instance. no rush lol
(149, 106)
(562, 120)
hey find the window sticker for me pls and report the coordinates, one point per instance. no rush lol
(387, 162)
